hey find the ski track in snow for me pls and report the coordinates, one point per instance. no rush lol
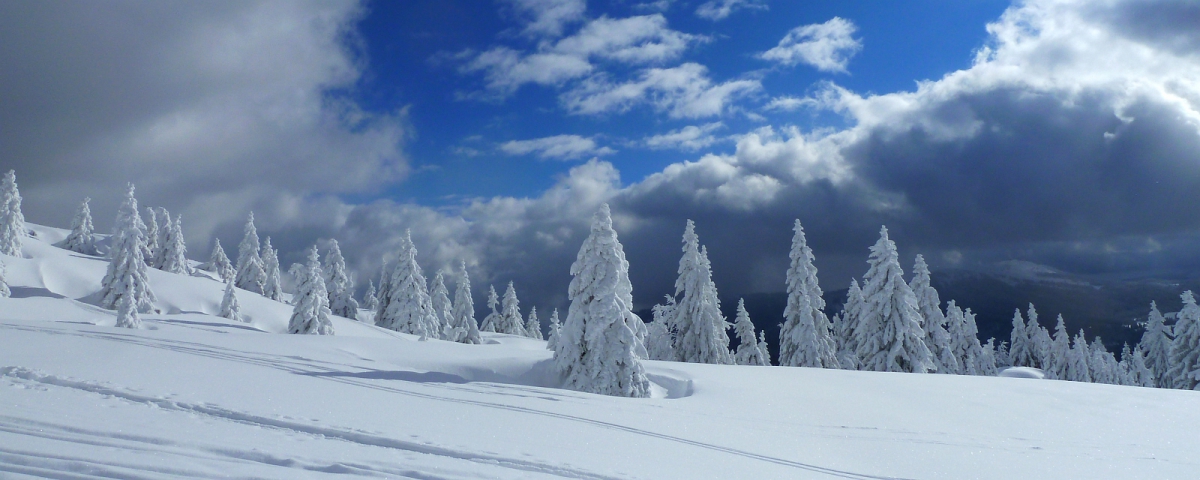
(314, 368)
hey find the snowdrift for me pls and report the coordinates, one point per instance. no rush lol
(192, 395)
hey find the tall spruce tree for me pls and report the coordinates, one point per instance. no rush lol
(700, 329)
(552, 335)
(127, 273)
(533, 326)
(153, 249)
(219, 264)
(845, 326)
(230, 308)
(598, 349)
(805, 339)
(890, 338)
(1060, 352)
(250, 273)
(160, 218)
(1184, 369)
(1156, 343)
(273, 288)
(369, 299)
(937, 338)
(1020, 349)
(510, 321)
(493, 318)
(337, 282)
(1079, 367)
(12, 221)
(1039, 339)
(173, 252)
(311, 314)
(83, 235)
(463, 311)
(748, 351)
(439, 297)
(409, 309)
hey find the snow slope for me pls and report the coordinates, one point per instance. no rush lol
(192, 395)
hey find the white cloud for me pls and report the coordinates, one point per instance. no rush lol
(685, 91)
(827, 46)
(549, 17)
(689, 138)
(558, 147)
(789, 103)
(636, 40)
(720, 9)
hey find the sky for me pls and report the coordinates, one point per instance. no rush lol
(1062, 132)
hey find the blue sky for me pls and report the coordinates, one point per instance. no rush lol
(407, 45)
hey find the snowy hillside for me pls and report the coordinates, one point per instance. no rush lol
(192, 395)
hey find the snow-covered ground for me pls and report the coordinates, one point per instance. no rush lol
(192, 395)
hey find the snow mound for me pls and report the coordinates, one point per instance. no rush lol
(1022, 372)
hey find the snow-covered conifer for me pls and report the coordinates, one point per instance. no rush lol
(533, 326)
(4, 291)
(173, 252)
(890, 338)
(805, 339)
(492, 319)
(127, 309)
(409, 309)
(127, 267)
(162, 218)
(1078, 366)
(229, 303)
(1020, 348)
(552, 335)
(986, 363)
(152, 249)
(382, 295)
(598, 349)
(219, 264)
(273, 288)
(466, 330)
(660, 339)
(748, 351)
(845, 326)
(439, 297)
(12, 221)
(311, 313)
(339, 286)
(1039, 339)
(1156, 343)
(1140, 375)
(83, 236)
(930, 305)
(1184, 369)
(369, 299)
(1060, 352)
(1098, 363)
(700, 329)
(510, 321)
(250, 273)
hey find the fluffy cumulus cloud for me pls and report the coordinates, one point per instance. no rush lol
(826, 46)
(685, 91)
(689, 138)
(548, 17)
(200, 105)
(558, 147)
(720, 9)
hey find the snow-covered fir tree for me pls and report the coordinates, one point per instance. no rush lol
(162, 227)
(1020, 346)
(337, 283)
(963, 339)
(598, 349)
(1098, 363)
(127, 309)
(986, 363)
(1184, 365)
(127, 266)
(1079, 361)
(1060, 352)
(846, 324)
(889, 335)
(466, 330)
(439, 297)
(660, 339)
(930, 305)
(385, 289)
(369, 300)
(533, 326)
(12, 221)
(83, 235)
(250, 273)
(230, 308)
(1139, 374)
(273, 288)
(700, 329)
(152, 249)
(4, 291)
(173, 252)
(552, 335)
(311, 314)
(510, 320)
(1156, 343)
(1039, 339)
(749, 351)
(492, 318)
(219, 264)
(409, 309)
(805, 339)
